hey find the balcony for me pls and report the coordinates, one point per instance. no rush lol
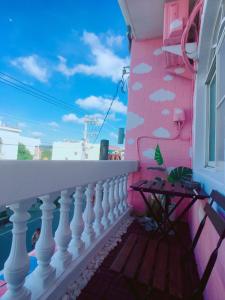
(93, 215)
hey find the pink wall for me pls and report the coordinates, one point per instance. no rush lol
(153, 96)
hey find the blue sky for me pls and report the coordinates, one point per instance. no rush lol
(73, 50)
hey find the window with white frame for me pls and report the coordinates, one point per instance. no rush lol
(215, 85)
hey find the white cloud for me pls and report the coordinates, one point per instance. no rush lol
(114, 135)
(22, 125)
(161, 132)
(158, 52)
(53, 124)
(106, 63)
(33, 65)
(114, 40)
(162, 95)
(168, 78)
(142, 68)
(37, 134)
(72, 118)
(130, 141)
(101, 104)
(134, 120)
(137, 86)
(149, 153)
(165, 112)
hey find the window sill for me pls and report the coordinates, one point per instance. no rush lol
(211, 178)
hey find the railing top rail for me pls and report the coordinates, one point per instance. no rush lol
(21, 180)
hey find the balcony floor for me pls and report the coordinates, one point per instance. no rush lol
(107, 285)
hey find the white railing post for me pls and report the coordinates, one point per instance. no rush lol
(125, 190)
(116, 196)
(89, 216)
(17, 265)
(112, 203)
(77, 224)
(121, 195)
(62, 257)
(105, 205)
(98, 227)
(45, 246)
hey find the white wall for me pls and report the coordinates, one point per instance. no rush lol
(73, 151)
(9, 138)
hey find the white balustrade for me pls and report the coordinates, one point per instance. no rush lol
(89, 215)
(121, 195)
(76, 245)
(112, 204)
(62, 257)
(125, 190)
(98, 226)
(105, 205)
(45, 246)
(116, 197)
(17, 265)
(59, 258)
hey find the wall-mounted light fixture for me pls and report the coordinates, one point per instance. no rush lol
(179, 117)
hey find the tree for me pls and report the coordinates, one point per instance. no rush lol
(46, 154)
(23, 153)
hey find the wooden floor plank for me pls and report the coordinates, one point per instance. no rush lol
(122, 257)
(161, 270)
(146, 270)
(136, 257)
(175, 271)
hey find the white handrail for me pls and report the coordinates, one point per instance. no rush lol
(21, 180)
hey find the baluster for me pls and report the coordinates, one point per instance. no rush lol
(98, 227)
(105, 205)
(121, 195)
(112, 204)
(125, 191)
(77, 224)
(89, 215)
(45, 246)
(17, 265)
(62, 257)
(116, 197)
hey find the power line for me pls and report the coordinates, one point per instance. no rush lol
(120, 84)
(37, 93)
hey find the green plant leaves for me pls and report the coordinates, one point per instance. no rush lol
(158, 156)
(180, 173)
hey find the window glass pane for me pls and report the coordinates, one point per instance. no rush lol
(221, 71)
(220, 138)
(212, 119)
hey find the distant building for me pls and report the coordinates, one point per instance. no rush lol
(9, 139)
(73, 150)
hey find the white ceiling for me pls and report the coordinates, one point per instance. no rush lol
(144, 16)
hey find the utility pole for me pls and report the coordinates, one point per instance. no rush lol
(88, 132)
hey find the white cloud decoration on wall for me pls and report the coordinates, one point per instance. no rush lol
(134, 120)
(165, 112)
(175, 24)
(162, 95)
(179, 70)
(149, 153)
(142, 68)
(168, 78)
(130, 141)
(137, 86)
(161, 133)
(158, 52)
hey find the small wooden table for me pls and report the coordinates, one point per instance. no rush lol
(169, 190)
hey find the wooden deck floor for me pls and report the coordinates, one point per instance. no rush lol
(107, 285)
